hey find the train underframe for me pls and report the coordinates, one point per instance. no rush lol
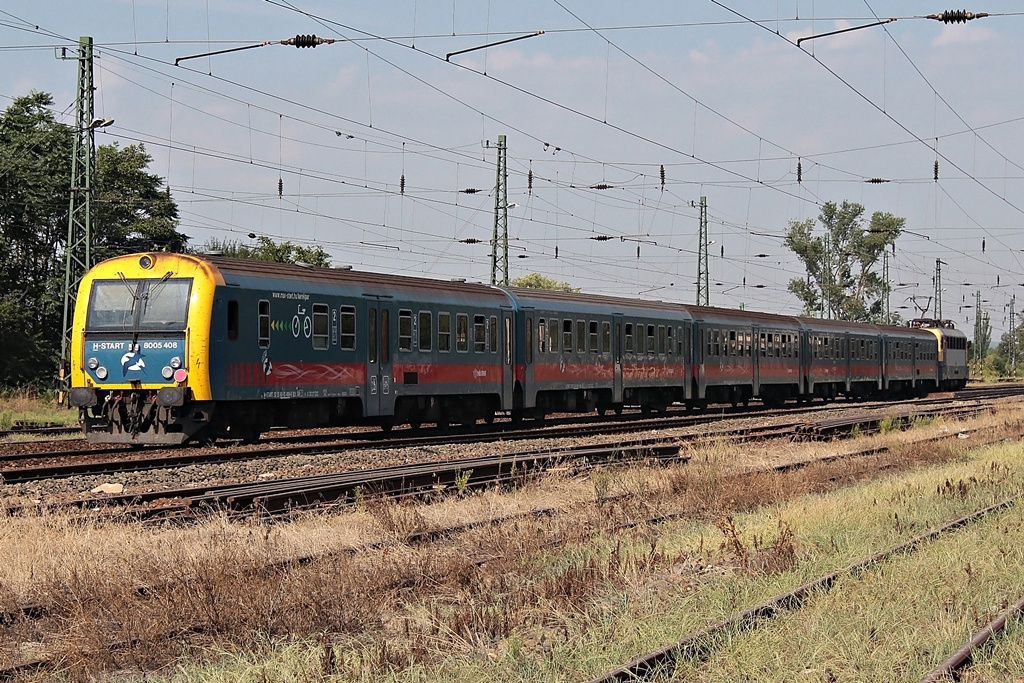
(149, 417)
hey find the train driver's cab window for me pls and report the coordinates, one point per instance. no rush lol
(461, 332)
(347, 338)
(405, 330)
(426, 331)
(444, 332)
(264, 324)
(321, 326)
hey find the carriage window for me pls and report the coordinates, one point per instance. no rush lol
(426, 330)
(542, 336)
(668, 340)
(713, 348)
(581, 336)
(606, 337)
(679, 340)
(444, 332)
(650, 339)
(479, 333)
(629, 337)
(593, 336)
(661, 340)
(732, 342)
(264, 323)
(529, 339)
(405, 330)
(232, 320)
(761, 344)
(493, 337)
(553, 336)
(639, 338)
(567, 336)
(347, 340)
(321, 317)
(461, 332)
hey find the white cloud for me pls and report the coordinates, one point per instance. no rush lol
(954, 34)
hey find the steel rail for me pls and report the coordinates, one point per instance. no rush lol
(960, 659)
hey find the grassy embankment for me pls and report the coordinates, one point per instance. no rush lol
(563, 597)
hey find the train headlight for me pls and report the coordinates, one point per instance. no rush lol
(180, 375)
(101, 372)
(175, 362)
(167, 371)
(146, 262)
(92, 363)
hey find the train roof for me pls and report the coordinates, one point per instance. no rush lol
(564, 300)
(729, 315)
(377, 282)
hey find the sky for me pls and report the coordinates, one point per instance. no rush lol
(384, 147)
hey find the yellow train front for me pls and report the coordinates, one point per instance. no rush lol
(141, 339)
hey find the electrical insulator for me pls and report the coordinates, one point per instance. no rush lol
(529, 181)
(280, 187)
(935, 170)
(638, 252)
(956, 16)
(470, 190)
(663, 176)
(556, 251)
(876, 181)
(601, 186)
(722, 253)
(893, 248)
(307, 40)
(401, 184)
(471, 240)
(799, 172)
(997, 280)
(601, 238)
(982, 245)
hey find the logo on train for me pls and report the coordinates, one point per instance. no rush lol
(132, 361)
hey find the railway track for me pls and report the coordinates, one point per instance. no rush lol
(699, 645)
(36, 611)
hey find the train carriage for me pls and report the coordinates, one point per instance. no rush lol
(910, 360)
(586, 352)
(739, 355)
(842, 358)
(175, 347)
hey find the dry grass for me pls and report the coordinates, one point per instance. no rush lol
(523, 598)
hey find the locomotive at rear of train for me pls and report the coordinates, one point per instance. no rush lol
(171, 348)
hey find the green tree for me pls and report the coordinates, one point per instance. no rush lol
(538, 281)
(841, 281)
(132, 210)
(266, 249)
(35, 175)
(1008, 357)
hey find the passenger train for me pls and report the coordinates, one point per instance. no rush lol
(171, 348)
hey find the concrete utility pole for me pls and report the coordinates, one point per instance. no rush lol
(499, 240)
(78, 250)
(703, 294)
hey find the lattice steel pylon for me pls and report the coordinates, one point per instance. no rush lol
(703, 295)
(78, 250)
(938, 288)
(499, 240)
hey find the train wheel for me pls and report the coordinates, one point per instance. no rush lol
(618, 409)
(601, 410)
(489, 417)
(415, 423)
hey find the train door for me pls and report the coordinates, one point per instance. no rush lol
(617, 358)
(380, 398)
(755, 359)
(508, 374)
